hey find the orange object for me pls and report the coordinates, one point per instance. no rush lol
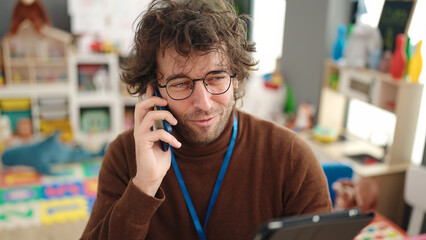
(399, 58)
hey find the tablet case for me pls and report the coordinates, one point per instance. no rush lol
(328, 226)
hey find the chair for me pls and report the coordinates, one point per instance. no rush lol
(415, 196)
(335, 171)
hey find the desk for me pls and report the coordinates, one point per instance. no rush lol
(34, 206)
(391, 178)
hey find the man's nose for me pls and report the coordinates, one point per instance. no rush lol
(201, 97)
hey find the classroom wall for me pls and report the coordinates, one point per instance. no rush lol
(56, 9)
(309, 32)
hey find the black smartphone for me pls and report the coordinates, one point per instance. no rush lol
(163, 124)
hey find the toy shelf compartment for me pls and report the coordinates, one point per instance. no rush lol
(97, 109)
(376, 88)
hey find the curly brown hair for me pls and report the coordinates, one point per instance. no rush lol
(188, 26)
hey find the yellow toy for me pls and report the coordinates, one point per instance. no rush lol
(415, 65)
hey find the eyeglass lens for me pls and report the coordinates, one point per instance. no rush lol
(215, 83)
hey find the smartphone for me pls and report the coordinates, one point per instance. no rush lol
(162, 124)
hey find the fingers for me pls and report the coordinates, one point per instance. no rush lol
(146, 105)
(145, 118)
(164, 136)
(152, 116)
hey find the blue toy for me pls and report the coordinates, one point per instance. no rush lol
(43, 154)
(339, 43)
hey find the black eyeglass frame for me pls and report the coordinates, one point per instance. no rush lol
(204, 84)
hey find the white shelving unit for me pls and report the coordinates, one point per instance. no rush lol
(378, 89)
(87, 86)
(36, 67)
(95, 85)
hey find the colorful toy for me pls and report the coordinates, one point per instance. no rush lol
(95, 120)
(276, 79)
(339, 43)
(32, 10)
(363, 41)
(43, 154)
(415, 65)
(399, 58)
(325, 134)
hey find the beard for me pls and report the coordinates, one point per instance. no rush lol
(203, 135)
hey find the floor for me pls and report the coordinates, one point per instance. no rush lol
(62, 231)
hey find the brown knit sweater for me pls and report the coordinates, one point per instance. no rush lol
(272, 173)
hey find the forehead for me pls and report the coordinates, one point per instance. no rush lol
(196, 64)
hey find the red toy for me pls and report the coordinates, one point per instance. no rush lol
(32, 10)
(399, 58)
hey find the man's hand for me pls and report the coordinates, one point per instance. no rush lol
(151, 161)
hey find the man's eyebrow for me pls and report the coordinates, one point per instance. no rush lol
(175, 76)
(183, 75)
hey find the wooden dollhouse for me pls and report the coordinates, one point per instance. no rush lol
(30, 57)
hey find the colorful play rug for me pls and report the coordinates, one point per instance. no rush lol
(30, 199)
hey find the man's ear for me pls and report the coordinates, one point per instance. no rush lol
(235, 83)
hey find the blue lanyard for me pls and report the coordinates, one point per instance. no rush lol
(189, 204)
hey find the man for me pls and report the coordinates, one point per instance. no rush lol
(231, 172)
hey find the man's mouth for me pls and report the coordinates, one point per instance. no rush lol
(205, 122)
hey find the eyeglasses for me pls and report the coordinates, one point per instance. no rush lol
(181, 87)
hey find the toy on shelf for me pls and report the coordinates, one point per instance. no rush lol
(362, 43)
(93, 77)
(54, 117)
(274, 80)
(16, 109)
(103, 47)
(339, 43)
(24, 129)
(415, 64)
(304, 117)
(325, 134)
(42, 155)
(32, 10)
(399, 58)
(95, 119)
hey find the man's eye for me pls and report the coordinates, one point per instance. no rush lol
(180, 84)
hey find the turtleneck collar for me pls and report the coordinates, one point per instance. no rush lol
(191, 150)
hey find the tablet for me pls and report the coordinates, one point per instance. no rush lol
(340, 225)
